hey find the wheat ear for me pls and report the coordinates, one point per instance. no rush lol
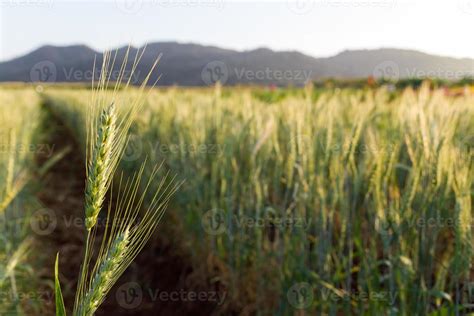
(104, 278)
(100, 169)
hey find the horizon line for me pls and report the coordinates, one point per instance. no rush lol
(234, 49)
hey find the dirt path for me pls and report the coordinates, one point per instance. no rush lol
(157, 283)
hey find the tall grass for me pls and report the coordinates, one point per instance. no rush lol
(361, 198)
(19, 113)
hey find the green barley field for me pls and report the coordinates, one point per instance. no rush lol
(289, 201)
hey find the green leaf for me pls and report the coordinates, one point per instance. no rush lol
(58, 295)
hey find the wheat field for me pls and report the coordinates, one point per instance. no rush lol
(293, 202)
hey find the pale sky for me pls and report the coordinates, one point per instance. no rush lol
(315, 27)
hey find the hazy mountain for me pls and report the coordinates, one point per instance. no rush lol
(192, 64)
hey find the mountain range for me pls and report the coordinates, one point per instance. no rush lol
(189, 64)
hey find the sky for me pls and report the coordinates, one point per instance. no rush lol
(315, 27)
